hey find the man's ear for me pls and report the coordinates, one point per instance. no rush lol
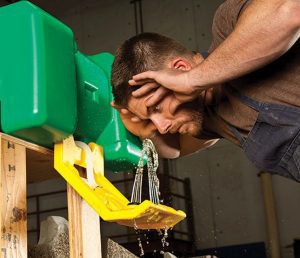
(181, 63)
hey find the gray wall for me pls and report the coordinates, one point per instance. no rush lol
(103, 25)
(228, 203)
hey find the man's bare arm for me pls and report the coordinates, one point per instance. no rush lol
(264, 32)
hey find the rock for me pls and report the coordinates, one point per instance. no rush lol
(54, 239)
(114, 250)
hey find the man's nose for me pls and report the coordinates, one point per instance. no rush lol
(162, 124)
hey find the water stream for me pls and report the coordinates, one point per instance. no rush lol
(154, 193)
(152, 165)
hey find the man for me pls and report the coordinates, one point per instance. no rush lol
(259, 111)
(169, 131)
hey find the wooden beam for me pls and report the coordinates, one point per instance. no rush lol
(28, 145)
(39, 160)
(273, 240)
(13, 221)
(84, 228)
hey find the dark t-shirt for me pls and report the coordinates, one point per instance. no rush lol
(278, 82)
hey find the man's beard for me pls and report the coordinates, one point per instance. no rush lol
(197, 115)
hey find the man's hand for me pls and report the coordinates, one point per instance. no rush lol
(163, 82)
(141, 128)
(175, 80)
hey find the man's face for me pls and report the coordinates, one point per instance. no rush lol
(187, 119)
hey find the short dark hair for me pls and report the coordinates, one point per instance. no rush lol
(146, 51)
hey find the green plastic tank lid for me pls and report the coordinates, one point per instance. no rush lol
(37, 75)
(97, 120)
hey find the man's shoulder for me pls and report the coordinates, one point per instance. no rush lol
(225, 19)
(229, 12)
(233, 5)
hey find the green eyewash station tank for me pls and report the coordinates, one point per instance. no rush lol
(49, 90)
(53, 95)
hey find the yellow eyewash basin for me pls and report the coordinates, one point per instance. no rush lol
(101, 195)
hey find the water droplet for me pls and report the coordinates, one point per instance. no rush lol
(141, 247)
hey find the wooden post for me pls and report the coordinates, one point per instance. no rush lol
(273, 244)
(84, 223)
(13, 220)
(84, 228)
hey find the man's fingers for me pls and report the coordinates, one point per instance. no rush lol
(140, 82)
(157, 96)
(135, 119)
(144, 76)
(124, 111)
(174, 105)
(129, 115)
(145, 89)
